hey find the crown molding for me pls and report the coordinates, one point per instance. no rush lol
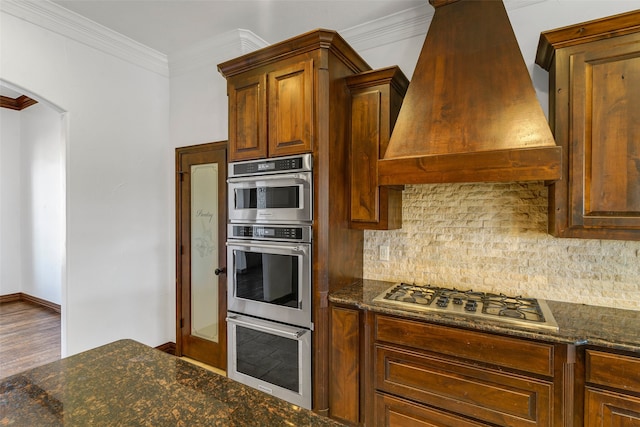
(212, 51)
(406, 24)
(518, 4)
(402, 25)
(18, 104)
(390, 29)
(53, 17)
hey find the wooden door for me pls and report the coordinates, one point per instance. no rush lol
(608, 409)
(201, 216)
(606, 147)
(594, 100)
(290, 95)
(247, 116)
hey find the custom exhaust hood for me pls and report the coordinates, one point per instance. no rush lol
(470, 113)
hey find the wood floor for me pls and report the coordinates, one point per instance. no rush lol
(29, 336)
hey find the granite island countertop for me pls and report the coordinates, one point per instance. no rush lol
(126, 383)
(577, 323)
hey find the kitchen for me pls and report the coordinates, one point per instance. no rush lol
(460, 245)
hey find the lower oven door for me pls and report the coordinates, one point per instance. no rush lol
(270, 357)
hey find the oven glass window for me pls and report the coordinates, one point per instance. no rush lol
(268, 278)
(268, 197)
(268, 357)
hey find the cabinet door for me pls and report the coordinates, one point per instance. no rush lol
(605, 136)
(395, 412)
(606, 409)
(496, 397)
(344, 367)
(247, 117)
(290, 94)
(376, 98)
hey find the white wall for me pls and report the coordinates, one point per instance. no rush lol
(42, 204)
(119, 251)
(199, 109)
(10, 206)
(31, 200)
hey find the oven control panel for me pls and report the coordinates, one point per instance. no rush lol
(285, 233)
(298, 163)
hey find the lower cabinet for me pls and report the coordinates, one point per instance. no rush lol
(392, 371)
(344, 365)
(612, 389)
(397, 412)
(443, 376)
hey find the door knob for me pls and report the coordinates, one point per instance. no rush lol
(219, 271)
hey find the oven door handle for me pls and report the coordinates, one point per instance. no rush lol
(264, 328)
(297, 177)
(295, 249)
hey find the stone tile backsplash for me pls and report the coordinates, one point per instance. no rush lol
(493, 238)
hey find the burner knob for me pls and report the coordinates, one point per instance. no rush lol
(457, 300)
(443, 301)
(471, 305)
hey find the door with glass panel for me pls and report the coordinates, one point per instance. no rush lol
(201, 301)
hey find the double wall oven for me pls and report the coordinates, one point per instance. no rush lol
(269, 321)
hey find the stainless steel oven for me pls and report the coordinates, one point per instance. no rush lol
(271, 357)
(277, 190)
(269, 272)
(269, 276)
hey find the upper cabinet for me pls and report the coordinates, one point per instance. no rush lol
(594, 99)
(376, 98)
(282, 98)
(270, 110)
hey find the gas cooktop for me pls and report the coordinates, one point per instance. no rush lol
(525, 312)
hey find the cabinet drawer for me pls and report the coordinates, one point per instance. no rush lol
(512, 353)
(487, 395)
(611, 409)
(393, 412)
(613, 370)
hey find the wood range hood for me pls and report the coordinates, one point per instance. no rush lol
(470, 113)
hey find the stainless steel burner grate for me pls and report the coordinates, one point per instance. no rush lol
(526, 312)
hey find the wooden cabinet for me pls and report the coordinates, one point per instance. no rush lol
(344, 365)
(376, 98)
(393, 411)
(470, 377)
(612, 391)
(594, 98)
(291, 97)
(270, 111)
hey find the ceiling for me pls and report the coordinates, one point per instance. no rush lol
(170, 26)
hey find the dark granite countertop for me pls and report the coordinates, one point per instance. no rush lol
(578, 323)
(126, 383)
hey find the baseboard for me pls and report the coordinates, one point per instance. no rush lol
(21, 296)
(11, 297)
(169, 347)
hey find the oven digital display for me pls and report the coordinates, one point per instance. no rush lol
(264, 232)
(262, 167)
